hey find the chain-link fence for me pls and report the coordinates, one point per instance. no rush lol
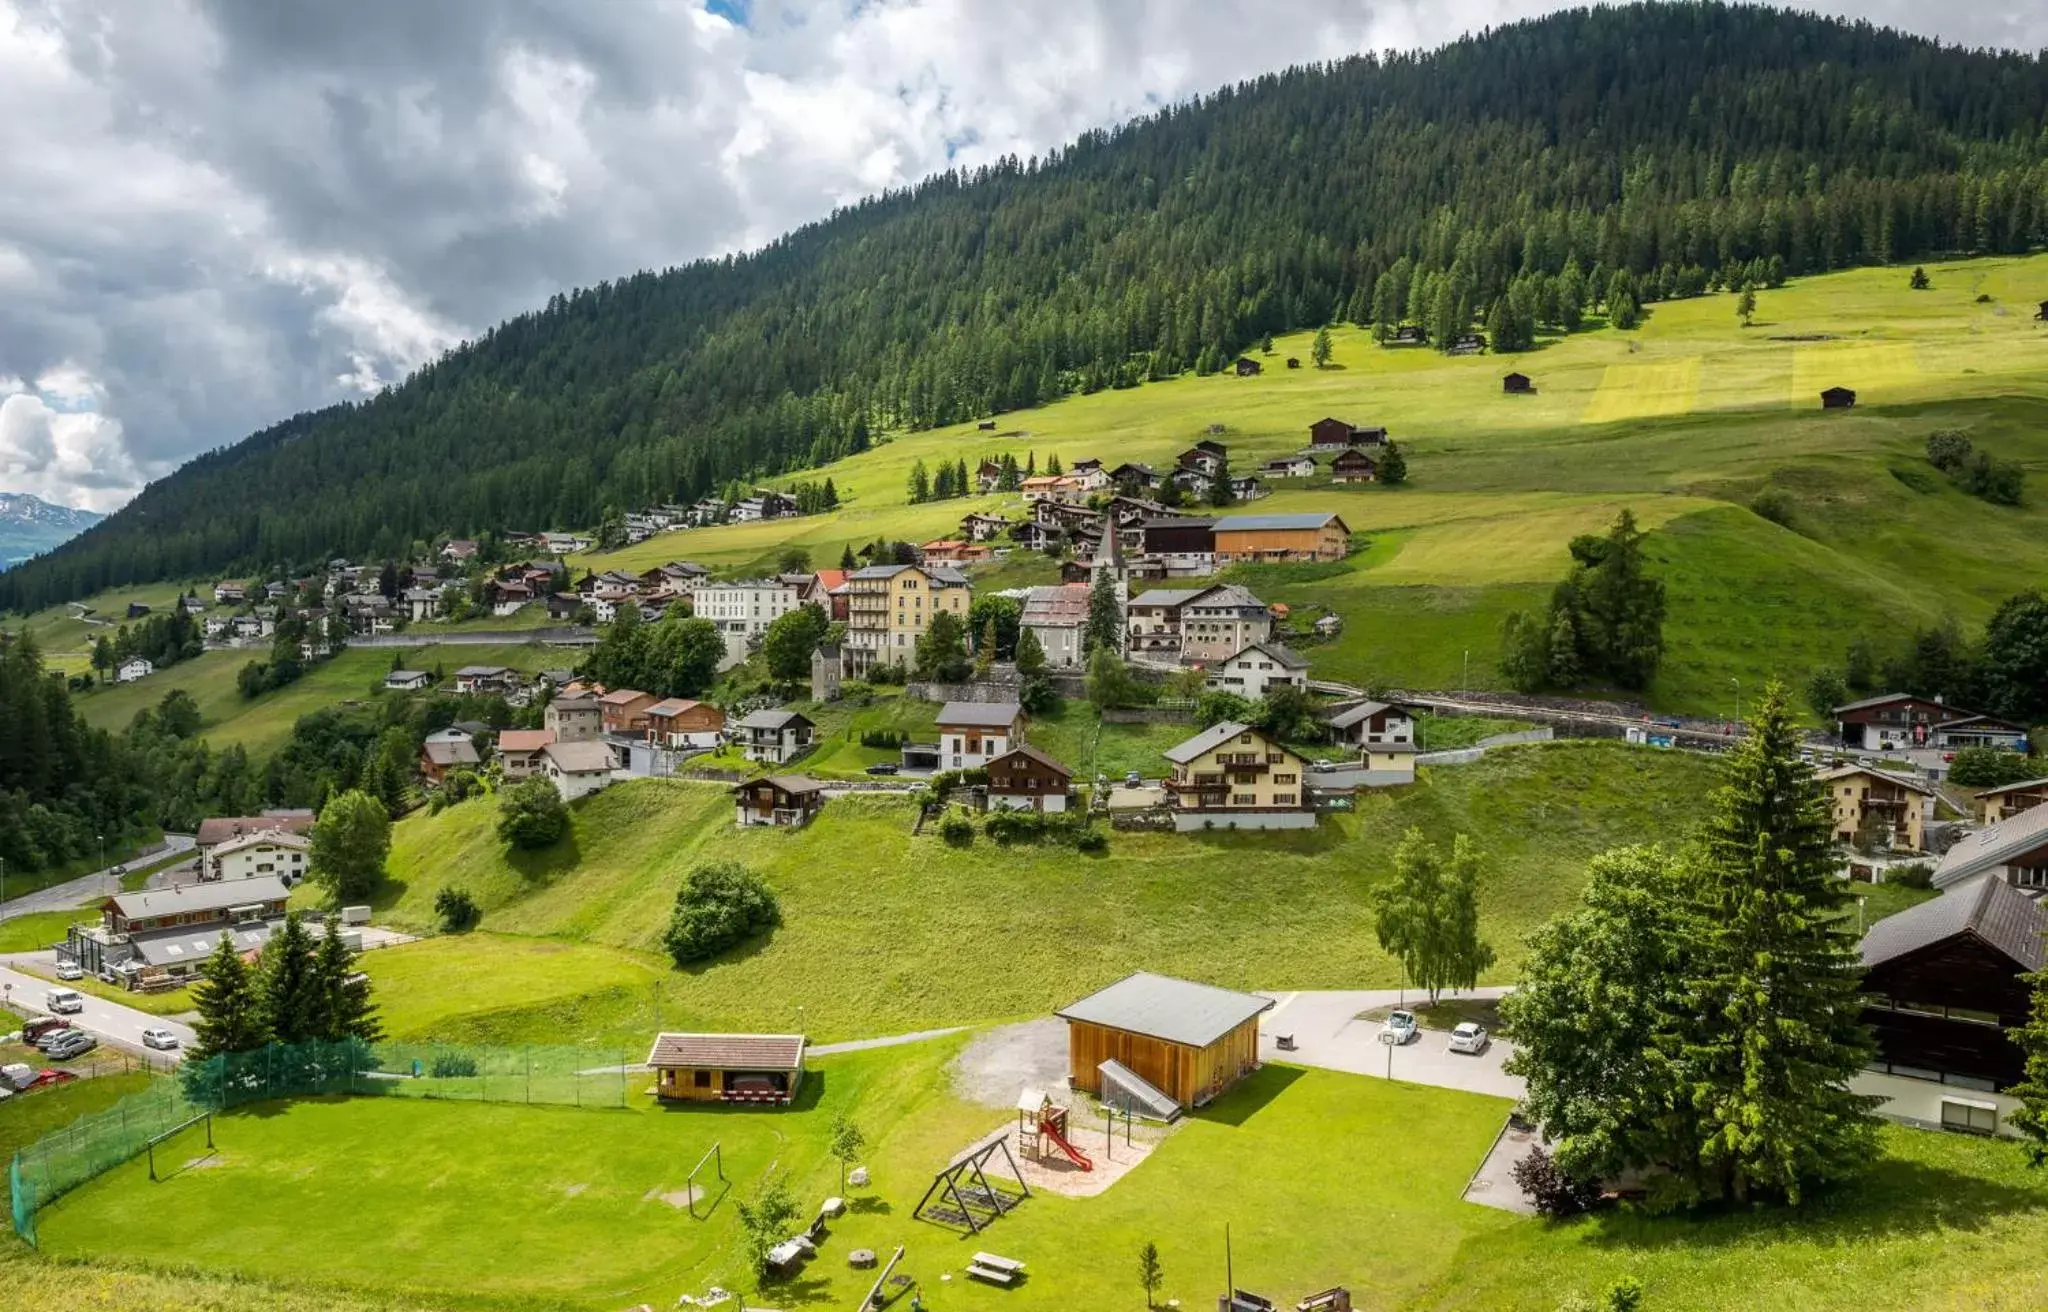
(94, 1144)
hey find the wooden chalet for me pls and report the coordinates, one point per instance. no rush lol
(1468, 344)
(1188, 1042)
(1248, 367)
(1517, 384)
(1837, 398)
(753, 1068)
(1944, 986)
(786, 801)
(1294, 362)
(1352, 466)
(1026, 779)
(1408, 335)
(1328, 433)
(2012, 799)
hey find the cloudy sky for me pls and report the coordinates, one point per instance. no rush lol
(216, 212)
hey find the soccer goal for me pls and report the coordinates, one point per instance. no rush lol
(204, 1118)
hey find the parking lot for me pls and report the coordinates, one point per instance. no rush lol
(1328, 1033)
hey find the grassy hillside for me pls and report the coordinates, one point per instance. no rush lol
(884, 932)
(262, 724)
(1685, 421)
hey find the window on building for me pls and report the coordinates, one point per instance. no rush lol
(702, 1079)
(1244, 799)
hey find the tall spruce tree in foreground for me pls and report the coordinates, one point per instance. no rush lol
(343, 1008)
(231, 1012)
(1772, 976)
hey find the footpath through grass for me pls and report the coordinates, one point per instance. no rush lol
(884, 933)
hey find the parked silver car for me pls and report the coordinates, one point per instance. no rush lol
(69, 1044)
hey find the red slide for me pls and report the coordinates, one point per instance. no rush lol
(1075, 1155)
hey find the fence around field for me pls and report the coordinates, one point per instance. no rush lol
(97, 1143)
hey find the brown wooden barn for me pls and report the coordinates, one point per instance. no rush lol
(1837, 398)
(1188, 1041)
(764, 1068)
(1517, 384)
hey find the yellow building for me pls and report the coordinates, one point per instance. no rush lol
(888, 608)
(2013, 799)
(1231, 776)
(1870, 803)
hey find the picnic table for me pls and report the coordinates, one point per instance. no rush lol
(995, 1269)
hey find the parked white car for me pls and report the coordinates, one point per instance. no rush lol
(158, 1037)
(69, 970)
(1400, 1028)
(1470, 1038)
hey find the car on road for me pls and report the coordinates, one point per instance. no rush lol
(69, 970)
(156, 1036)
(69, 1044)
(1399, 1028)
(118, 870)
(65, 1002)
(1133, 779)
(883, 767)
(1470, 1038)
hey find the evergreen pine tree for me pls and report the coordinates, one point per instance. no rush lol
(231, 1014)
(345, 1010)
(846, 558)
(1319, 350)
(1105, 615)
(1774, 1033)
(291, 996)
(1393, 466)
(1030, 653)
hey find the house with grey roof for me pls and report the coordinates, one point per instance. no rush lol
(1944, 987)
(1256, 670)
(1160, 1045)
(2014, 851)
(971, 734)
(157, 938)
(775, 737)
(1232, 776)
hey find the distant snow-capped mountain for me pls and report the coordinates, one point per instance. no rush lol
(29, 524)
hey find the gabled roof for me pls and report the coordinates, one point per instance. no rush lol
(1269, 523)
(1883, 699)
(1208, 740)
(1158, 1007)
(672, 707)
(1990, 909)
(1850, 771)
(586, 702)
(1283, 655)
(481, 671)
(1059, 605)
(767, 1052)
(264, 838)
(185, 898)
(1363, 711)
(1031, 753)
(524, 740)
(220, 828)
(796, 785)
(580, 758)
(772, 719)
(446, 753)
(1993, 846)
(622, 697)
(1226, 595)
(1166, 596)
(2024, 785)
(980, 715)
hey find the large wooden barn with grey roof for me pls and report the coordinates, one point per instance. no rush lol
(1184, 1042)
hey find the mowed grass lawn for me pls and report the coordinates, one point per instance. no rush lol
(884, 933)
(1323, 1179)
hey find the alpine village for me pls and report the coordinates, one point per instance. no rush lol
(1419, 683)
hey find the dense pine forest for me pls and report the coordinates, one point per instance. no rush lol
(1593, 158)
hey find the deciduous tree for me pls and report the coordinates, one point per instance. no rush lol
(350, 842)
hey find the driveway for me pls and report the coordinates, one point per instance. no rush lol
(90, 888)
(1328, 1034)
(109, 1021)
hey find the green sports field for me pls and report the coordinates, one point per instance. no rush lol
(1684, 421)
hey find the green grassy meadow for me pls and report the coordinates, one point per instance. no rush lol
(263, 724)
(1684, 421)
(466, 1205)
(885, 933)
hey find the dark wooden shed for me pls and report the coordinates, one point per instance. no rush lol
(1517, 383)
(1837, 398)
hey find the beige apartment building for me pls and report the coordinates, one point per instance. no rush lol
(888, 607)
(1231, 776)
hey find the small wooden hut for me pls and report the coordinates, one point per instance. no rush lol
(763, 1068)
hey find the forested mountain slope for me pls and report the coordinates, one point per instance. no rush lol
(1635, 152)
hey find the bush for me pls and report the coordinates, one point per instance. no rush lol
(886, 738)
(457, 909)
(1774, 504)
(1918, 875)
(957, 830)
(457, 787)
(532, 815)
(452, 1065)
(1947, 450)
(1554, 1193)
(1990, 767)
(1092, 841)
(720, 905)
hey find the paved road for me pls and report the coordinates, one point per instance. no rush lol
(1328, 1034)
(88, 888)
(109, 1021)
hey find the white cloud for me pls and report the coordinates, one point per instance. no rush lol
(214, 213)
